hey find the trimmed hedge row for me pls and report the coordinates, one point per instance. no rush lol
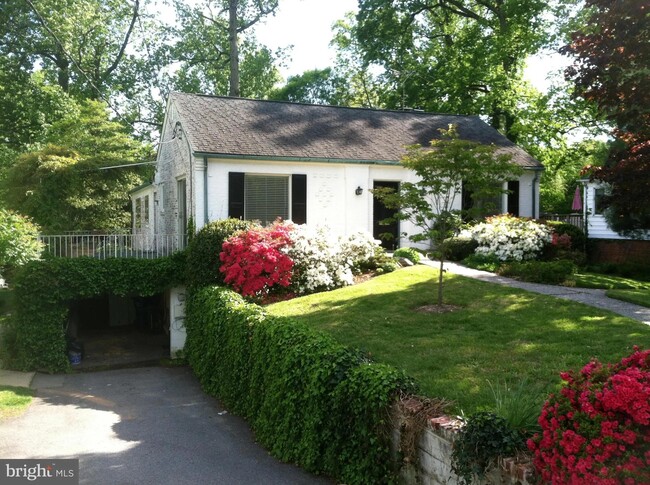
(310, 400)
(548, 272)
(35, 337)
(203, 251)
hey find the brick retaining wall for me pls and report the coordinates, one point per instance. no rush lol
(432, 465)
(619, 251)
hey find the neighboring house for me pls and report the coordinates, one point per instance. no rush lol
(225, 157)
(606, 244)
(597, 227)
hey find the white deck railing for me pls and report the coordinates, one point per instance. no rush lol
(104, 246)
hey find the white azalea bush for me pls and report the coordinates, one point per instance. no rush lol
(323, 260)
(510, 238)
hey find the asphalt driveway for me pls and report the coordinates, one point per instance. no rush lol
(141, 426)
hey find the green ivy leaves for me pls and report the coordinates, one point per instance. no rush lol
(309, 399)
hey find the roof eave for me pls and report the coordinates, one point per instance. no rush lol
(275, 158)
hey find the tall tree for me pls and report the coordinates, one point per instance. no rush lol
(81, 43)
(562, 132)
(460, 56)
(212, 51)
(28, 105)
(612, 55)
(366, 87)
(98, 49)
(78, 180)
(432, 203)
(318, 86)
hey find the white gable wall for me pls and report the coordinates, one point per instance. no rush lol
(174, 162)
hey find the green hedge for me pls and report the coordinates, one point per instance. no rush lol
(548, 272)
(35, 334)
(310, 400)
(578, 237)
(459, 248)
(203, 251)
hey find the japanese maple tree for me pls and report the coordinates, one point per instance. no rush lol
(612, 58)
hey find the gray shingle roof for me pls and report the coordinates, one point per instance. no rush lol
(244, 127)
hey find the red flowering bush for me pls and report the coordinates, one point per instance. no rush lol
(561, 241)
(255, 260)
(597, 430)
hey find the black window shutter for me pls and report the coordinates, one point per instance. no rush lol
(299, 198)
(513, 197)
(236, 195)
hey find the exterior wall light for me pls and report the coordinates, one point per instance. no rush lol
(358, 191)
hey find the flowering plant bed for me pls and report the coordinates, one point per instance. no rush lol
(285, 259)
(597, 429)
(510, 238)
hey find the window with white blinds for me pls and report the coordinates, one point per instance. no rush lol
(266, 198)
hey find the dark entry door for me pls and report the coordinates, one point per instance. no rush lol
(380, 213)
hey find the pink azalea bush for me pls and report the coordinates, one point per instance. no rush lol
(254, 261)
(597, 429)
(561, 241)
(300, 258)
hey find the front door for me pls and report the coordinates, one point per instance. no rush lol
(388, 233)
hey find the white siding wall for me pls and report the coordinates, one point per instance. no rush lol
(597, 227)
(331, 198)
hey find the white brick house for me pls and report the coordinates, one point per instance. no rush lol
(225, 157)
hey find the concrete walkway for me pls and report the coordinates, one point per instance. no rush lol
(15, 379)
(588, 296)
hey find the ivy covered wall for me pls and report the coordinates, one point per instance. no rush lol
(35, 335)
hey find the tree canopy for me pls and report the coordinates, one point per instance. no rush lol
(74, 182)
(610, 69)
(214, 59)
(457, 56)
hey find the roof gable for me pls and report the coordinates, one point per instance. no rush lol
(244, 127)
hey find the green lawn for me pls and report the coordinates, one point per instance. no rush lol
(497, 334)
(14, 400)
(638, 297)
(626, 289)
(597, 280)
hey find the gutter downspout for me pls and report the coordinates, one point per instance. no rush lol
(535, 181)
(205, 191)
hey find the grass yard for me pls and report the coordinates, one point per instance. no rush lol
(638, 297)
(14, 400)
(625, 289)
(597, 280)
(497, 334)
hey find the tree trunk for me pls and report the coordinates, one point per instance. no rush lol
(234, 49)
(440, 276)
(63, 73)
